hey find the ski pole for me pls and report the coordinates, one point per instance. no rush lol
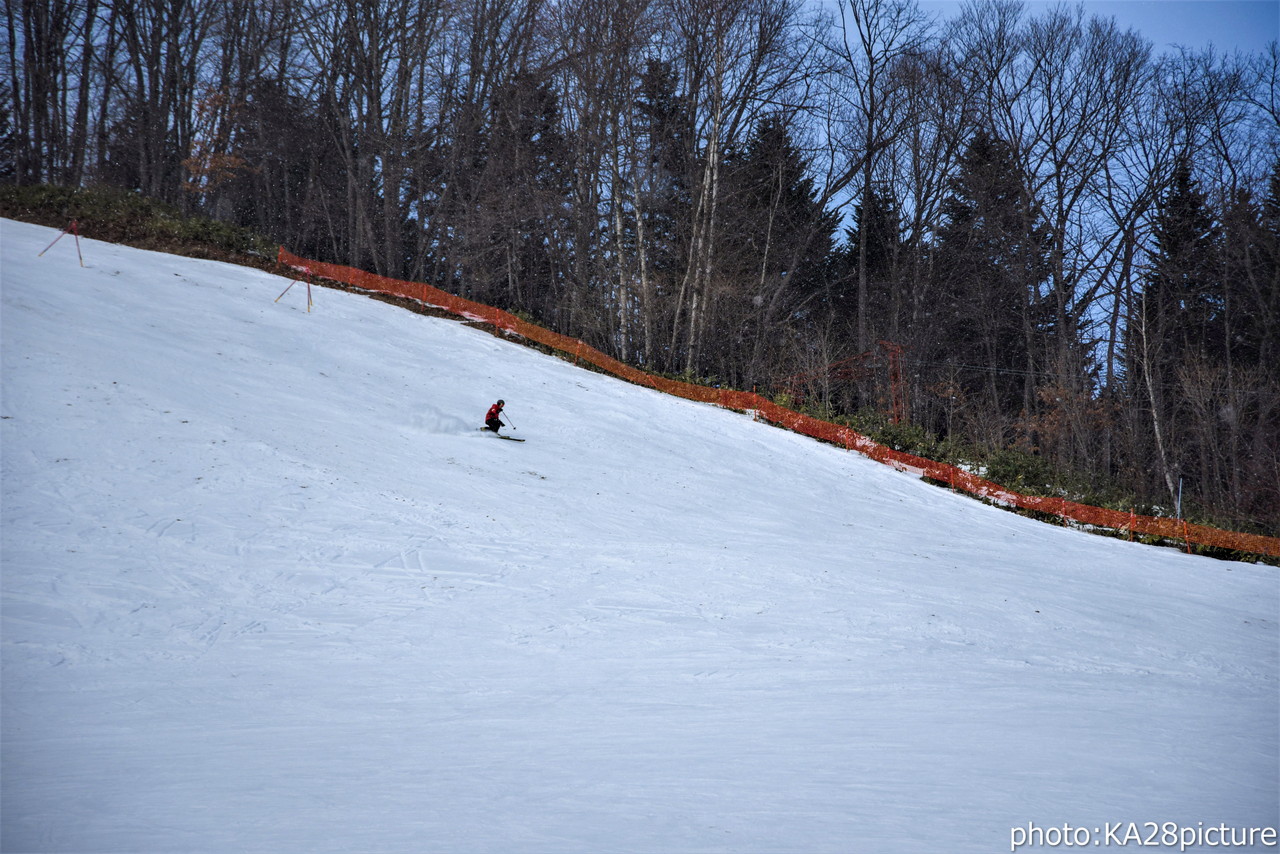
(513, 427)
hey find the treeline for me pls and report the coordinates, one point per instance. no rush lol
(1014, 232)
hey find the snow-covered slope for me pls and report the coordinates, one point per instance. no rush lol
(267, 588)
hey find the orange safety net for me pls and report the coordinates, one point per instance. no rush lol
(953, 476)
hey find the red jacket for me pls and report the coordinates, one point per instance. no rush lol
(494, 412)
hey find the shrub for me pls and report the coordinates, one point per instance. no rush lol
(120, 216)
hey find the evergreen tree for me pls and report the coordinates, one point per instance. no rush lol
(777, 239)
(1179, 333)
(662, 199)
(1184, 297)
(287, 180)
(775, 227)
(1251, 284)
(529, 193)
(878, 224)
(988, 316)
(1221, 385)
(495, 189)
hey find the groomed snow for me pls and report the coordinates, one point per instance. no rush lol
(267, 588)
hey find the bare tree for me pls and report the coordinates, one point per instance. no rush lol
(1083, 91)
(603, 44)
(875, 41)
(51, 74)
(736, 58)
(163, 49)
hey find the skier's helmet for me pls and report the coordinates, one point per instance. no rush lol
(502, 403)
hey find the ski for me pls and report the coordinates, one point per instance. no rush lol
(500, 436)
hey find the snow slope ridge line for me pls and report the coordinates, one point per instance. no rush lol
(953, 476)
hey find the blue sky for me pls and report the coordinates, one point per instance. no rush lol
(1248, 25)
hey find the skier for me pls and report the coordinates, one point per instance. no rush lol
(492, 421)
